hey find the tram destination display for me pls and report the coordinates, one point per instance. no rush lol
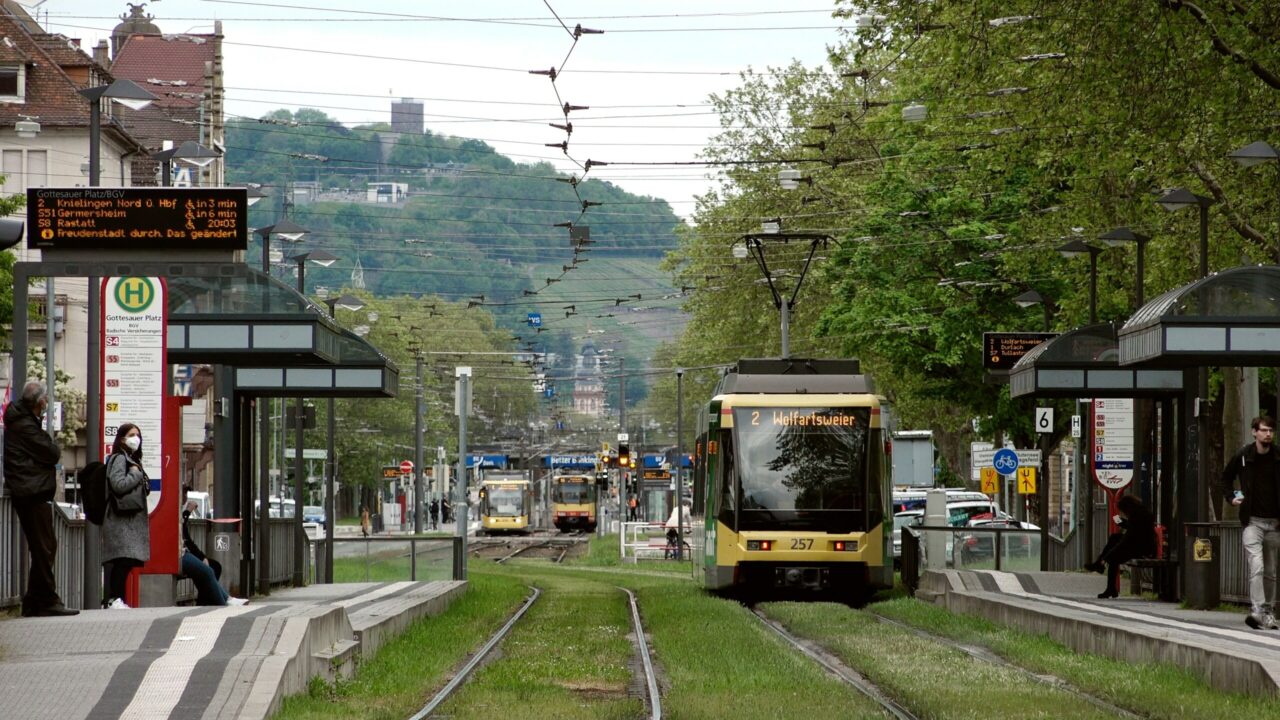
(154, 218)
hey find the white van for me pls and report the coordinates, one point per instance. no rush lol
(904, 500)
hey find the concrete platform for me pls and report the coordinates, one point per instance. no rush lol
(1217, 646)
(195, 662)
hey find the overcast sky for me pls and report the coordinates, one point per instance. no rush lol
(351, 59)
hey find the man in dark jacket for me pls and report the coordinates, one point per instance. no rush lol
(1258, 469)
(30, 466)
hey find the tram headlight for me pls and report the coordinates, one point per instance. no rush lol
(759, 544)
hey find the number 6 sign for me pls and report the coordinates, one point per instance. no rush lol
(1044, 420)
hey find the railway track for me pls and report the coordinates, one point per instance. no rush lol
(983, 654)
(832, 665)
(461, 676)
(654, 696)
(519, 550)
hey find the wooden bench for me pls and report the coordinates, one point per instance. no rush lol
(1154, 575)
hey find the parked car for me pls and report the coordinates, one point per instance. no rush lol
(981, 545)
(313, 513)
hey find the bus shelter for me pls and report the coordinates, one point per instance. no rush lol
(264, 340)
(1084, 363)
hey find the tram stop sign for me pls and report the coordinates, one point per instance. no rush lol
(406, 467)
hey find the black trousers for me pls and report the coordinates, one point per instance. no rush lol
(35, 515)
(1120, 549)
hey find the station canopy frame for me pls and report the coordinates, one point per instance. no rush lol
(1084, 363)
(1230, 318)
(279, 342)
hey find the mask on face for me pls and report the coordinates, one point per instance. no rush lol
(132, 442)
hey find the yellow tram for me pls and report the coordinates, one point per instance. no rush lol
(504, 506)
(792, 484)
(573, 502)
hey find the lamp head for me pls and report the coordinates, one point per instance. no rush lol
(1179, 198)
(319, 257)
(1029, 298)
(287, 230)
(1116, 237)
(1076, 247)
(1255, 153)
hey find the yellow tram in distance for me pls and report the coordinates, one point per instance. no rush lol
(573, 502)
(504, 506)
(792, 483)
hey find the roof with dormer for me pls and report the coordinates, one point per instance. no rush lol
(173, 68)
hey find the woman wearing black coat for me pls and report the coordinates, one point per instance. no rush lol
(1137, 539)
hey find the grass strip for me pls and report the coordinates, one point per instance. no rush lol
(931, 679)
(1155, 690)
(567, 658)
(721, 663)
(389, 562)
(402, 676)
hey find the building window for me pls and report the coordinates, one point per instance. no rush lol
(12, 83)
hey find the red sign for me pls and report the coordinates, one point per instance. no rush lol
(406, 467)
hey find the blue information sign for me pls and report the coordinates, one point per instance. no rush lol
(1005, 461)
(535, 319)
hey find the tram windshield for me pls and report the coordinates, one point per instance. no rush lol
(801, 467)
(578, 491)
(504, 500)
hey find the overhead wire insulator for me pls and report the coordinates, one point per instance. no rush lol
(549, 73)
(570, 108)
(564, 146)
(579, 31)
(567, 127)
(590, 204)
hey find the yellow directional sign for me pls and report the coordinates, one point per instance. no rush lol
(990, 481)
(1026, 480)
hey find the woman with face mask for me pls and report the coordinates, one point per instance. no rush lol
(126, 535)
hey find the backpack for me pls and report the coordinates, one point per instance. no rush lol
(93, 491)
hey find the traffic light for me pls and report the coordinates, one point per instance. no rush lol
(624, 456)
(633, 462)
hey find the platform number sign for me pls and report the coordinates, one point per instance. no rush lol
(1044, 420)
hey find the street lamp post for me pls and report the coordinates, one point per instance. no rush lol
(346, 302)
(323, 259)
(1118, 236)
(1256, 153)
(1078, 247)
(130, 95)
(1193, 501)
(1031, 297)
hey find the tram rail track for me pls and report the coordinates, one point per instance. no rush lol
(654, 694)
(984, 654)
(461, 676)
(832, 665)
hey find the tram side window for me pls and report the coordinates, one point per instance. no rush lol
(728, 481)
(699, 476)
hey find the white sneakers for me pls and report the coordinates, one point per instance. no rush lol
(231, 601)
(118, 604)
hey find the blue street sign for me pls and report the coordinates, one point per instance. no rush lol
(535, 319)
(1005, 461)
(549, 392)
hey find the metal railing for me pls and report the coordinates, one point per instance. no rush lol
(374, 559)
(392, 559)
(647, 541)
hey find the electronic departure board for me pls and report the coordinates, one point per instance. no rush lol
(157, 218)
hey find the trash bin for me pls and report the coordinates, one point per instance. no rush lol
(377, 522)
(223, 545)
(1201, 588)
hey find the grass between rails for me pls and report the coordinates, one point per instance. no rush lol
(930, 679)
(567, 658)
(1155, 690)
(404, 674)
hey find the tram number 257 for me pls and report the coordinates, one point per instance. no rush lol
(801, 543)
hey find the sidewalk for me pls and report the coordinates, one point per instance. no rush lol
(199, 662)
(1217, 646)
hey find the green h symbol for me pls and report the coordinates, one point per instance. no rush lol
(134, 293)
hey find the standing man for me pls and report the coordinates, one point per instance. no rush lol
(30, 466)
(1259, 501)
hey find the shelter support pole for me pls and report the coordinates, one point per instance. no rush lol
(263, 561)
(299, 493)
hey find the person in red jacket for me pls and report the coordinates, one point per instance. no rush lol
(30, 470)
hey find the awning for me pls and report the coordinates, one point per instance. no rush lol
(1230, 318)
(280, 343)
(1084, 363)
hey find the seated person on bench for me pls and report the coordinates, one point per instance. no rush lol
(1137, 539)
(203, 572)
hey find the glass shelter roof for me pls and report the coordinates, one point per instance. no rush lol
(1229, 318)
(1084, 362)
(280, 342)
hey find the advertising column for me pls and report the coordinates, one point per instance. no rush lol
(1113, 448)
